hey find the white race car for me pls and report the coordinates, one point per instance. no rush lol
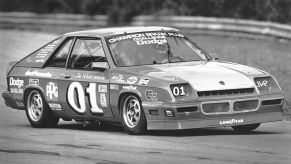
(143, 78)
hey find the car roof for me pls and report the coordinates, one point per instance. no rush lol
(119, 30)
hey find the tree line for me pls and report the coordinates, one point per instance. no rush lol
(122, 11)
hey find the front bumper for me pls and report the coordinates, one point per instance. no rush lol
(198, 119)
(214, 122)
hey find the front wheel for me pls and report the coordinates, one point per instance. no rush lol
(38, 112)
(246, 128)
(133, 116)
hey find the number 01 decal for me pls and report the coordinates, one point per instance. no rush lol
(178, 91)
(91, 92)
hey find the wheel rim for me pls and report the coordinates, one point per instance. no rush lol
(131, 111)
(35, 106)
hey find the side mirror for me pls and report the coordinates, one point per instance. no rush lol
(100, 65)
(214, 56)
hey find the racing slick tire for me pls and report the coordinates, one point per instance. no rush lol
(38, 112)
(246, 128)
(132, 115)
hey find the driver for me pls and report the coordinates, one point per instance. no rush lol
(125, 54)
(95, 48)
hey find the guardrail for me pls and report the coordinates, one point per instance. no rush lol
(218, 24)
(185, 23)
(68, 20)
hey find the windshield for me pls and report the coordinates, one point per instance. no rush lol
(153, 48)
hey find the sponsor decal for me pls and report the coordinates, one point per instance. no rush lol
(143, 82)
(146, 38)
(118, 79)
(263, 83)
(129, 87)
(103, 101)
(150, 40)
(33, 81)
(87, 76)
(102, 88)
(16, 90)
(36, 73)
(231, 122)
(16, 82)
(42, 53)
(221, 82)
(151, 95)
(114, 87)
(52, 90)
(28, 60)
(40, 60)
(170, 78)
(56, 41)
(55, 106)
(175, 34)
(131, 80)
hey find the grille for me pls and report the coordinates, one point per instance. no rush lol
(226, 92)
(187, 109)
(272, 102)
(245, 105)
(212, 108)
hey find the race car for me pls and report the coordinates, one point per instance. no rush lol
(143, 78)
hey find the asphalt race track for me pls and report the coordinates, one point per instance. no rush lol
(70, 142)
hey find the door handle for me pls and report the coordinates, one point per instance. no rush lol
(65, 75)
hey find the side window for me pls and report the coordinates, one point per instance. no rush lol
(85, 52)
(60, 58)
(38, 58)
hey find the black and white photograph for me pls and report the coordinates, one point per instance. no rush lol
(145, 81)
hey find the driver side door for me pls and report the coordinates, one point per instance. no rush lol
(85, 89)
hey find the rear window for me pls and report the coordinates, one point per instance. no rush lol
(38, 58)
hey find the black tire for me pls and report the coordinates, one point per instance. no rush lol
(38, 112)
(246, 128)
(132, 115)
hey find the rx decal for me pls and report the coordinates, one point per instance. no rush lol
(262, 83)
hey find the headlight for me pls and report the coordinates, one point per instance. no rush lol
(266, 84)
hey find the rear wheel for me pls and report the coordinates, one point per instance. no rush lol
(38, 112)
(246, 128)
(132, 114)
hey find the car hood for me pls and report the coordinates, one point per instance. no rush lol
(204, 76)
